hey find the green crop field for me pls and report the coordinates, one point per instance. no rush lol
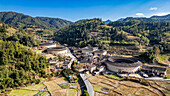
(22, 92)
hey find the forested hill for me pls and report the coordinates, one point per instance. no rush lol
(94, 32)
(24, 21)
(8, 33)
(81, 33)
(165, 18)
(19, 66)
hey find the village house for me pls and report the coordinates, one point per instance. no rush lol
(89, 50)
(92, 68)
(65, 64)
(51, 60)
(159, 71)
(100, 68)
(100, 52)
(86, 59)
(34, 48)
(86, 71)
(96, 72)
(75, 49)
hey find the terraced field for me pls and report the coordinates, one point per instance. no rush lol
(105, 86)
(55, 88)
(162, 85)
(29, 91)
(22, 92)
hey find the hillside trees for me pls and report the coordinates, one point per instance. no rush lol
(94, 32)
(24, 21)
(19, 65)
(148, 32)
(78, 34)
(149, 56)
(20, 36)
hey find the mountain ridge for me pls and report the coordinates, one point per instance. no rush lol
(20, 20)
(165, 18)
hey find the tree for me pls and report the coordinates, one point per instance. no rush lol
(27, 64)
(149, 56)
(4, 59)
(157, 51)
(85, 93)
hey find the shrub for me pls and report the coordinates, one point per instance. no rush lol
(85, 93)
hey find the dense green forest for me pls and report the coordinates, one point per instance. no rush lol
(24, 21)
(94, 32)
(19, 65)
(7, 33)
(79, 33)
(146, 32)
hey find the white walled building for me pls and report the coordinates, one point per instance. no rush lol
(100, 52)
(89, 50)
(122, 64)
(57, 51)
(47, 45)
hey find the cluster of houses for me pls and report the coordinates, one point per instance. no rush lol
(154, 71)
(56, 65)
(91, 57)
(97, 60)
(95, 69)
(57, 51)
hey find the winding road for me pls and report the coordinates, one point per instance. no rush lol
(82, 75)
(87, 83)
(73, 58)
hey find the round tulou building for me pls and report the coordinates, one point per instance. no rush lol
(47, 45)
(57, 50)
(122, 64)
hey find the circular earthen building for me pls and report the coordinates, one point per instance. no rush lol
(122, 64)
(57, 50)
(47, 45)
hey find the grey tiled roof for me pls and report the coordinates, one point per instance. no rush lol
(154, 68)
(86, 59)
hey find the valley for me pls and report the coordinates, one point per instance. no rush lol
(50, 56)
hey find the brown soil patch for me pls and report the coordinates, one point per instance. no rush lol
(94, 79)
(52, 85)
(101, 94)
(60, 80)
(132, 84)
(62, 92)
(168, 72)
(144, 92)
(124, 90)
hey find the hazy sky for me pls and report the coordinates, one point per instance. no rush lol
(82, 9)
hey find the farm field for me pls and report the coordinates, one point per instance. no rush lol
(28, 91)
(168, 73)
(57, 87)
(162, 85)
(35, 87)
(104, 86)
(71, 92)
(52, 86)
(22, 92)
